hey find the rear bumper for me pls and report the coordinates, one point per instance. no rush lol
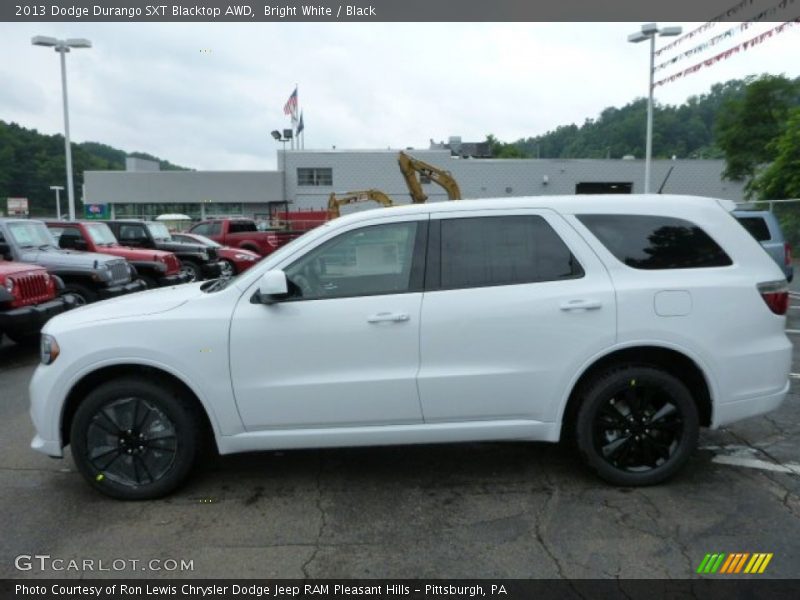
(177, 279)
(731, 412)
(120, 290)
(30, 319)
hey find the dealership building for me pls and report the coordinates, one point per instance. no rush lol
(306, 178)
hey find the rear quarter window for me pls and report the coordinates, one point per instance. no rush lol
(654, 242)
(757, 227)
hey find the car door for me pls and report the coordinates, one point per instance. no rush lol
(343, 349)
(515, 303)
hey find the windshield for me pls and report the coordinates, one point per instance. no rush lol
(196, 238)
(159, 231)
(31, 234)
(101, 234)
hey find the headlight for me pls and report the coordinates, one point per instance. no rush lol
(204, 255)
(244, 257)
(10, 285)
(49, 349)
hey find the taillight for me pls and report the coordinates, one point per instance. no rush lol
(787, 253)
(776, 295)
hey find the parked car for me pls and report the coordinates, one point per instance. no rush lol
(197, 261)
(87, 276)
(28, 298)
(243, 234)
(764, 226)
(592, 318)
(155, 268)
(236, 260)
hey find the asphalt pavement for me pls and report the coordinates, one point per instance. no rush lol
(491, 510)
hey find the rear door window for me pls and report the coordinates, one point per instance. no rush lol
(505, 250)
(654, 242)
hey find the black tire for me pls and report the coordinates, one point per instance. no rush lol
(192, 269)
(83, 294)
(636, 425)
(132, 460)
(149, 282)
(228, 269)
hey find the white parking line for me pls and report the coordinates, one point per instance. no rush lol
(794, 331)
(794, 375)
(754, 463)
(744, 456)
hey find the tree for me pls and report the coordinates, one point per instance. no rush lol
(747, 125)
(781, 179)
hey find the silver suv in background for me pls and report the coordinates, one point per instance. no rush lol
(764, 226)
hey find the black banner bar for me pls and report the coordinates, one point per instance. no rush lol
(392, 10)
(730, 588)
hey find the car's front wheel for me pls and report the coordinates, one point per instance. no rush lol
(134, 440)
(636, 425)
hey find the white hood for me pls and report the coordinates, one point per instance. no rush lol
(138, 304)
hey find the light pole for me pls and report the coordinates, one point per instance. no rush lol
(62, 47)
(283, 138)
(649, 31)
(58, 189)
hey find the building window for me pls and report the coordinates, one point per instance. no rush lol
(311, 176)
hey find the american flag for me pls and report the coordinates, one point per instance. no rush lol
(290, 108)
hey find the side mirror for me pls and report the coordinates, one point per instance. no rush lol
(272, 288)
(5, 251)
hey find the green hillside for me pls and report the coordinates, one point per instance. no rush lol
(30, 162)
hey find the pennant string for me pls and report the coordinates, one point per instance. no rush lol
(729, 52)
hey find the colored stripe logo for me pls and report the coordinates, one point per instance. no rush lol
(736, 562)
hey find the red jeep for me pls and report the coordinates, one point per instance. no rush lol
(28, 298)
(156, 268)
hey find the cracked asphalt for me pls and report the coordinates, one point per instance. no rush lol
(504, 510)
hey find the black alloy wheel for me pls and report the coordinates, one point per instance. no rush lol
(134, 440)
(637, 425)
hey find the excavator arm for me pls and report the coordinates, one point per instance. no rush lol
(410, 166)
(335, 203)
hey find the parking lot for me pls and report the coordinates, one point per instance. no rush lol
(475, 510)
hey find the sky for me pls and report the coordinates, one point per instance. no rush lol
(206, 96)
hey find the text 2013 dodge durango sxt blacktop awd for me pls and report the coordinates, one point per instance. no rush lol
(626, 322)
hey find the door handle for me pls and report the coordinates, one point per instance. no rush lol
(387, 316)
(581, 305)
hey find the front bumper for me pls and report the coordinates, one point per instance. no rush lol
(30, 319)
(176, 279)
(211, 270)
(120, 290)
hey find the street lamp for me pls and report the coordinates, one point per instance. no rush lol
(58, 189)
(649, 31)
(283, 138)
(62, 47)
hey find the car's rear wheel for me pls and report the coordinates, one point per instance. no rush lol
(636, 425)
(191, 270)
(134, 440)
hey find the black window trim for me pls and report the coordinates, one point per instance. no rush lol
(416, 278)
(433, 269)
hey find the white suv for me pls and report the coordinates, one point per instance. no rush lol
(626, 322)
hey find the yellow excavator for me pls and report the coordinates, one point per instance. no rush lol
(410, 166)
(335, 202)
